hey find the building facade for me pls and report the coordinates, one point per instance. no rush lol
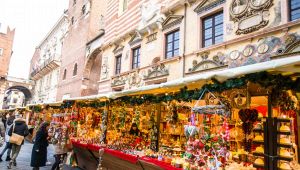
(152, 42)
(6, 44)
(46, 61)
(85, 24)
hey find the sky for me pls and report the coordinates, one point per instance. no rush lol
(32, 19)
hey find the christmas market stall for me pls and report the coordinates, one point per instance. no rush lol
(222, 125)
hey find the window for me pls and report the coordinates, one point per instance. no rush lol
(172, 44)
(72, 20)
(1, 51)
(125, 5)
(294, 10)
(74, 2)
(212, 29)
(136, 55)
(83, 9)
(118, 64)
(65, 74)
(75, 70)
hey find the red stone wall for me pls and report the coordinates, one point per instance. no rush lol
(85, 28)
(6, 43)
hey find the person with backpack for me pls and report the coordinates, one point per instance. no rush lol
(9, 122)
(17, 133)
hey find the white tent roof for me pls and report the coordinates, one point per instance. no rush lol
(289, 64)
(283, 64)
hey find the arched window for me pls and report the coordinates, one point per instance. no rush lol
(65, 74)
(75, 70)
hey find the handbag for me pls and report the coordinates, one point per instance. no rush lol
(1, 141)
(15, 138)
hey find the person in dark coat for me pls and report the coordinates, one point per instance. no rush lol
(39, 150)
(19, 127)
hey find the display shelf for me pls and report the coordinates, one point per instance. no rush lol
(288, 145)
(258, 166)
(283, 120)
(283, 133)
(258, 154)
(172, 134)
(258, 130)
(285, 158)
(258, 142)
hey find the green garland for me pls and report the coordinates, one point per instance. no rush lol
(277, 83)
(36, 108)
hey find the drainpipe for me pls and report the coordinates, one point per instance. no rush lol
(184, 40)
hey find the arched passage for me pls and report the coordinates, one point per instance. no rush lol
(18, 95)
(91, 74)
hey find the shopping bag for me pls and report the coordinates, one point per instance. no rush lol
(15, 138)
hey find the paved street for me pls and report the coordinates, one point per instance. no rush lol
(23, 161)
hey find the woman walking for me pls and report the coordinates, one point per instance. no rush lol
(9, 122)
(39, 150)
(19, 128)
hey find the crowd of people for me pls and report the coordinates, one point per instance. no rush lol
(13, 130)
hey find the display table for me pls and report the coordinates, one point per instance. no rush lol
(87, 157)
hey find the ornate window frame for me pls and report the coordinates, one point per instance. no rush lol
(132, 57)
(208, 12)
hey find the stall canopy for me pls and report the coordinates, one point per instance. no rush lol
(282, 65)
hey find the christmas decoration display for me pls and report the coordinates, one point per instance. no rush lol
(248, 117)
(179, 130)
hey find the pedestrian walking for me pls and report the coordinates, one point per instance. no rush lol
(60, 151)
(9, 123)
(18, 129)
(39, 150)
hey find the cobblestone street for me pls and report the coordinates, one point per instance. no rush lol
(23, 160)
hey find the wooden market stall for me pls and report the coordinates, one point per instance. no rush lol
(232, 119)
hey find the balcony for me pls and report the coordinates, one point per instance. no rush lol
(46, 67)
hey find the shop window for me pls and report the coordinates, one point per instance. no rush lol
(83, 9)
(118, 64)
(75, 70)
(212, 27)
(136, 55)
(294, 10)
(172, 44)
(65, 74)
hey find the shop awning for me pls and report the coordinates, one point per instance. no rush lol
(284, 65)
(281, 65)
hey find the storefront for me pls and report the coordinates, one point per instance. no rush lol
(241, 118)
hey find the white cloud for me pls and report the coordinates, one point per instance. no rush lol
(32, 19)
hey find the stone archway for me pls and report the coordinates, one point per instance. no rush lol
(10, 84)
(91, 73)
(21, 94)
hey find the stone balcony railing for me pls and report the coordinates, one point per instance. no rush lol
(46, 67)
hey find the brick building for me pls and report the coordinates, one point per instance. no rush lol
(84, 25)
(6, 45)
